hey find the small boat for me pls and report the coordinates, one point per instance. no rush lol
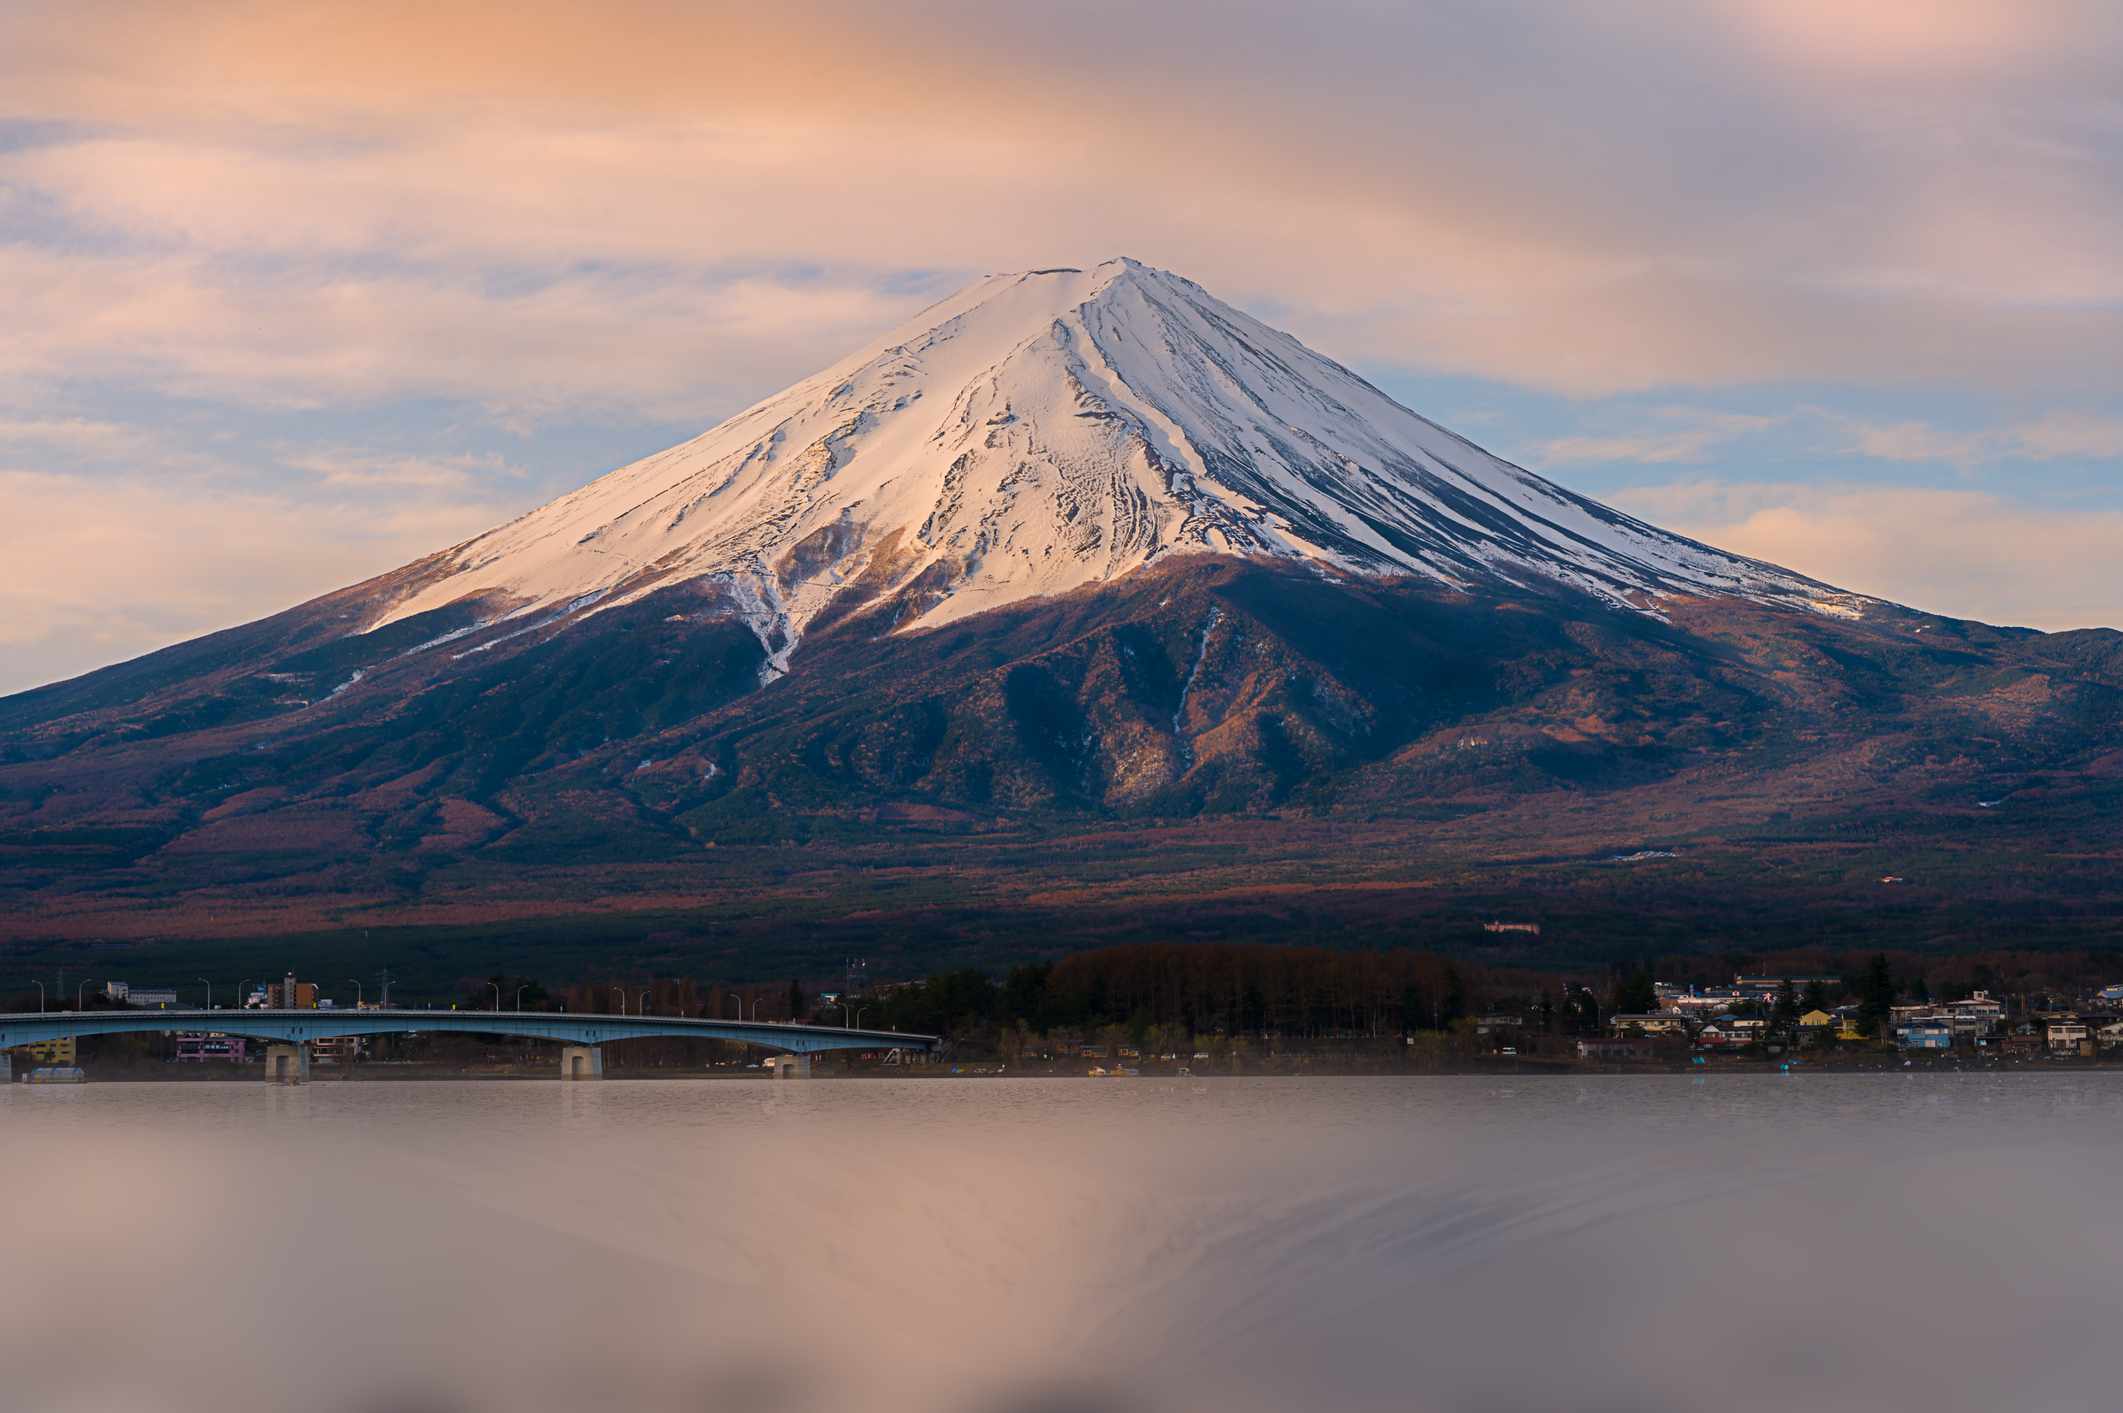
(57, 1074)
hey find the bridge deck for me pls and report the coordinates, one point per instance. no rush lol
(293, 1026)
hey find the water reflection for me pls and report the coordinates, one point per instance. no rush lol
(1060, 1247)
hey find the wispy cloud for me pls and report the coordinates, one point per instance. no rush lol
(98, 570)
(1677, 434)
(1918, 441)
(2061, 435)
(1959, 552)
(73, 434)
(2055, 436)
(632, 341)
(352, 468)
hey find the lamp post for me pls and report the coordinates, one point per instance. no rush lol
(519, 996)
(622, 998)
(40, 995)
(859, 1014)
(242, 991)
(641, 1006)
(209, 990)
(81, 995)
(360, 995)
(497, 996)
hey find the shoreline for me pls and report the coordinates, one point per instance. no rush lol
(374, 1072)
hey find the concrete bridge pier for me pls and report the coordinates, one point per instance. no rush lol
(287, 1064)
(7, 1067)
(581, 1062)
(790, 1066)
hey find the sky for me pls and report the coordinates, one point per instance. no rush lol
(293, 293)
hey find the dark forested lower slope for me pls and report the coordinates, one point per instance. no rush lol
(1229, 746)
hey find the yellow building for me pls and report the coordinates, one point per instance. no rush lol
(52, 1052)
(1815, 1020)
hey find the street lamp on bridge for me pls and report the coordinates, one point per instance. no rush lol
(209, 990)
(359, 994)
(81, 995)
(40, 994)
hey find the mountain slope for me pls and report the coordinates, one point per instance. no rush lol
(1038, 432)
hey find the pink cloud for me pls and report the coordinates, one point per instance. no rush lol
(1585, 198)
(101, 570)
(1956, 552)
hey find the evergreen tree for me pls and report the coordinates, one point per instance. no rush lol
(1816, 996)
(1787, 1010)
(1415, 1010)
(1635, 993)
(1876, 994)
(1455, 997)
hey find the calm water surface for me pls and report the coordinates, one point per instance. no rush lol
(1038, 1246)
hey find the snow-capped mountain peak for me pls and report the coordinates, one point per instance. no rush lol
(1041, 431)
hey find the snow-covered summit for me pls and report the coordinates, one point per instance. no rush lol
(1041, 431)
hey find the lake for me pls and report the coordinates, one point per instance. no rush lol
(1064, 1246)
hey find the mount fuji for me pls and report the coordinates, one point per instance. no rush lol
(1082, 606)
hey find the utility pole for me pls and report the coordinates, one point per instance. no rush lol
(386, 978)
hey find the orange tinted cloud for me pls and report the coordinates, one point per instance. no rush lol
(1956, 552)
(1587, 198)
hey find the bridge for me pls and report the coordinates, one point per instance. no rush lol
(579, 1035)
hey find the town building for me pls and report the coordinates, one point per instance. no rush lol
(291, 995)
(62, 1051)
(1732, 1033)
(1648, 1023)
(198, 1048)
(336, 1049)
(2067, 1035)
(1709, 1001)
(1924, 1035)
